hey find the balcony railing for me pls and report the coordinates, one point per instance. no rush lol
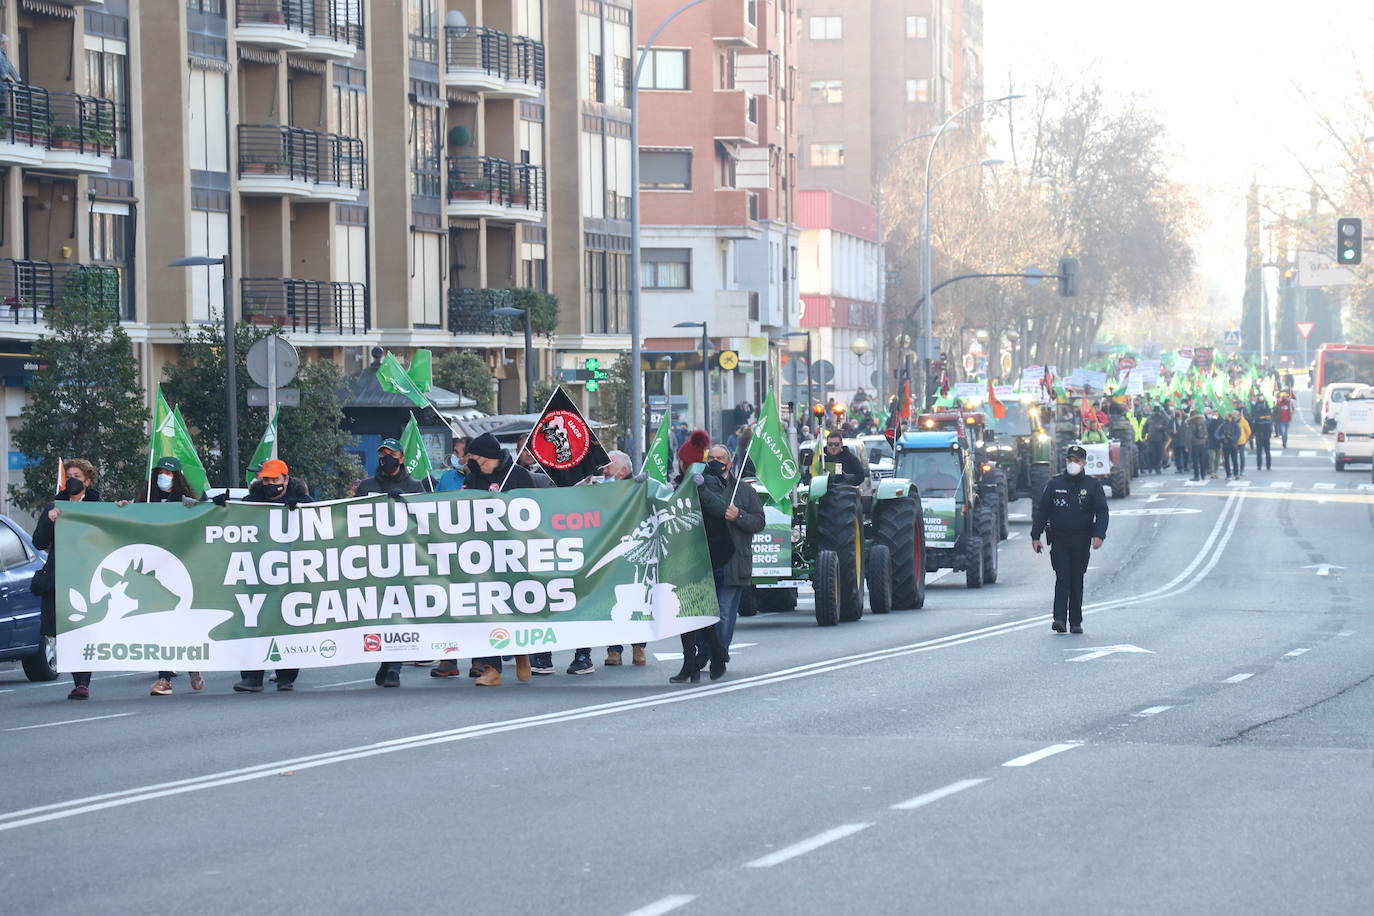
(527, 61)
(82, 123)
(24, 114)
(318, 306)
(492, 180)
(341, 20)
(512, 58)
(30, 290)
(471, 311)
(294, 14)
(300, 155)
(528, 190)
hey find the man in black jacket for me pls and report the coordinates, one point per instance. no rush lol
(274, 485)
(392, 478)
(851, 469)
(1074, 509)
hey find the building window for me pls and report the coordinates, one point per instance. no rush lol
(665, 69)
(424, 30)
(751, 12)
(350, 101)
(918, 90)
(107, 78)
(593, 80)
(618, 184)
(622, 64)
(826, 28)
(534, 266)
(209, 137)
(827, 92)
(426, 279)
(424, 149)
(209, 238)
(213, 7)
(827, 154)
(917, 27)
(665, 170)
(665, 268)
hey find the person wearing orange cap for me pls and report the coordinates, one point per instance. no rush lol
(274, 485)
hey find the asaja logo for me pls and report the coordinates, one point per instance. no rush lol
(328, 648)
(500, 638)
(273, 653)
(372, 642)
(789, 468)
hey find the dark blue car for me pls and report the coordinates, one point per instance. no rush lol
(19, 608)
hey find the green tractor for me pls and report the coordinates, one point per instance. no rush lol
(960, 517)
(839, 538)
(1022, 448)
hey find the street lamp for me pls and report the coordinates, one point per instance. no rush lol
(810, 374)
(636, 345)
(509, 312)
(231, 392)
(925, 239)
(705, 371)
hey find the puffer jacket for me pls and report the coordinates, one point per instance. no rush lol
(714, 493)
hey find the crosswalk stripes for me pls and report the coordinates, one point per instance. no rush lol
(1195, 483)
(1366, 488)
(1151, 484)
(1307, 453)
(1323, 486)
(1238, 483)
(1281, 485)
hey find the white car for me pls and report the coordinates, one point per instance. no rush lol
(880, 456)
(1332, 399)
(1355, 429)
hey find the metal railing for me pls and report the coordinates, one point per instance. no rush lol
(490, 179)
(301, 155)
(470, 311)
(528, 189)
(294, 14)
(316, 306)
(81, 122)
(341, 20)
(510, 57)
(24, 114)
(30, 290)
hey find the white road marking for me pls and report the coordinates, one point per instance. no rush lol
(1214, 546)
(1013, 536)
(1103, 651)
(1026, 760)
(1296, 652)
(1152, 485)
(1323, 569)
(24, 728)
(364, 680)
(677, 656)
(920, 801)
(1281, 485)
(1346, 633)
(107, 677)
(1238, 483)
(1150, 711)
(1237, 678)
(1195, 483)
(1304, 453)
(1323, 486)
(805, 846)
(666, 905)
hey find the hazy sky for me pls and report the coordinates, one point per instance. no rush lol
(1222, 74)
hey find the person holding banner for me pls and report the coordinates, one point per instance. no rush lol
(452, 478)
(168, 485)
(392, 479)
(78, 486)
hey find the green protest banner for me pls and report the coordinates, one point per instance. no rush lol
(773, 460)
(462, 573)
(264, 450)
(170, 438)
(939, 521)
(658, 463)
(772, 548)
(416, 458)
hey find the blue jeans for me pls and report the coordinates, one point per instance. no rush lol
(728, 597)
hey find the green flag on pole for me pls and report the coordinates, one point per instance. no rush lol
(659, 460)
(421, 370)
(772, 452)
(264, 450)
(171, 440)
(413, 446)
(394, 380)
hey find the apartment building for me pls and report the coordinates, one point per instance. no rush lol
(718, 205)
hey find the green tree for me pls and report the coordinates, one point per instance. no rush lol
(541, 306)
(87, 403)
(312, 438)
(464, 372)
(613, 401)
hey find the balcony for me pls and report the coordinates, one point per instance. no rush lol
(306, 306)
(81, 134)
(485, 187)
(279, 24)
(280, 161)
(735, 24)
(23, 124)
(736, 117)
(471, 312)
(336, 29)
(491, 61)
(30, 290)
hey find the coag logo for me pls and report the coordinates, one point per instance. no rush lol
(500, 638)
(328, 648)
(372, 642)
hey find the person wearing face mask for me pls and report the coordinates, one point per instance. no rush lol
(274, 485)
(452, 478)
(168, 485)
(1073, 509)
(80, 487)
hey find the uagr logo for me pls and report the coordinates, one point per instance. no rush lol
(372, 642)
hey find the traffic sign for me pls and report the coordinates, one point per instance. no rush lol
(264, 353)
(1126, 362)
(286, 397)
(729, 360)
(1305, 328)
(1230, 338)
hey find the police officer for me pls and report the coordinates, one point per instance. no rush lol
(1074, 509)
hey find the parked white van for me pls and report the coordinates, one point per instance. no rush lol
(1355, 429)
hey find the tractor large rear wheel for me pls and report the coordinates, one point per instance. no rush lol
(878, 572)
(973, 554)
(898, 525)
(839, 528)
(826, 583)
(1118, 479)
(1039, 476)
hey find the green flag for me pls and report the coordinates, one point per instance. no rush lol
(171, 440)
(659, 461)
(772, 452)
(413, 446)
(421, 370)
(394, 380)
(264, 450)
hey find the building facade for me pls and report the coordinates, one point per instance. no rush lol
(718, 164)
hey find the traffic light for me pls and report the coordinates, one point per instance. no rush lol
(1068, 277)
(1349, 241)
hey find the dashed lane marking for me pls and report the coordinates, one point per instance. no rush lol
(1237, 678)
(666, 905)
(1026, 760)
(808, 845)
(24, 728)
(1238, 483)
(1296, 652)
(1150, 711)
(920, 801)
(1323, 486)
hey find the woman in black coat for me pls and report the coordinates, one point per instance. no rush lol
(81, 479)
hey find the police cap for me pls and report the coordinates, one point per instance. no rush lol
(1076, 451)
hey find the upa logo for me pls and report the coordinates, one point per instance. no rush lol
(499, 637)
(372, 642)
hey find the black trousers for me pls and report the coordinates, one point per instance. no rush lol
(1232, 454)
(1264, 457)
(1069, 552)
(284, 676)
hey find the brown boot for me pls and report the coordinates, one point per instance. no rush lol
(522, 668)
(612, 657)
(639, 656)
(197, 682)
(490, 678)
(161, 688)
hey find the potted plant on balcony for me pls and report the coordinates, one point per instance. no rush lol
(98, 138)
(66, 136)
(478, 189)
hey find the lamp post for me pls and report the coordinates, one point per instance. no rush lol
(231, 382)
(810, 372)
(636, 345)
(925, 241)
(509, 312)
(705, 371)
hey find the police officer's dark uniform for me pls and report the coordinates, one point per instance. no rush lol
(1074, 509)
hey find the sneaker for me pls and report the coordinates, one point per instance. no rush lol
(247, 687)
(1076, 630)
(392, 679)
(582, 664)
(612, 658)
(1057, 627)
(639, 657)
(197, 682)
(79, 693)
(541, 663)
(161, 688)
(490, 678)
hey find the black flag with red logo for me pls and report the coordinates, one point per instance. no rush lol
(563, 443)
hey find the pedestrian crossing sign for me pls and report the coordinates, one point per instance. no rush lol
(1230, 338)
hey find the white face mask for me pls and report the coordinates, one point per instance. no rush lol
(164, 482)
(1073, 467)
(456, 463)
